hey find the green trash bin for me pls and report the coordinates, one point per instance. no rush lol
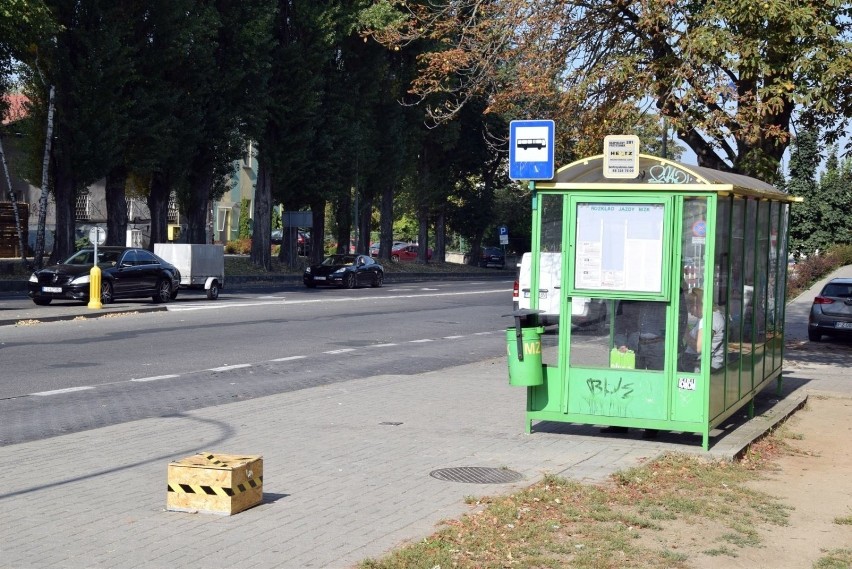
(525, 370)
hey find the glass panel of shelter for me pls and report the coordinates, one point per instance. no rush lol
(550, 241)
(619, 332)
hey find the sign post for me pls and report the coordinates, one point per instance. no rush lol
(97, 236)
(531, 150)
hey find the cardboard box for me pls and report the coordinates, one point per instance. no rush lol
(215, 483)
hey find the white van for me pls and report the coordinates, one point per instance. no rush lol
(584, 310)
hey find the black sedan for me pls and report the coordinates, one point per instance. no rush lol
(125, 273)
(492, 257)
(345, 271)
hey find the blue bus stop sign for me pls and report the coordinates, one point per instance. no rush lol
(531, 150)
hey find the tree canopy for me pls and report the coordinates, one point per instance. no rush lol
(729, 76)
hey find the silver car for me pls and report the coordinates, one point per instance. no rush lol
(831, 312)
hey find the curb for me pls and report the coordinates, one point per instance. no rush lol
(86, 315)
(248, 281)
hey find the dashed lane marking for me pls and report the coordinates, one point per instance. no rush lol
(66, 390)
(228, 368)
(155, 377)
(282, 302)
(240, 366)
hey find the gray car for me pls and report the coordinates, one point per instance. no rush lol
(831, 312)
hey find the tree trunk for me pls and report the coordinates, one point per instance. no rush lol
(261, 247)
(116, 205)
(317, 251)
(65, 197)
(343, 216)
(423, 233)
(14, 200)
(440, 252)
(475, 248)
(199, 203)
(158, 206)
(365, 218)
(386, 223)
(45, 189)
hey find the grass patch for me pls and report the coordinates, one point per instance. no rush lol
(844, 521)
(561, 523)
(835, 559)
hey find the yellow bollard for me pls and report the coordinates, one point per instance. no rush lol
(95, 288)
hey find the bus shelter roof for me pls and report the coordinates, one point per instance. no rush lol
(661, 174)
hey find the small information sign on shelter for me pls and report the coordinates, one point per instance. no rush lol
(621, 156)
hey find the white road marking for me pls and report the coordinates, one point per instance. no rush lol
(218, 305)
(66, 390)
(240, 366)
(155, 377)
(228, 368)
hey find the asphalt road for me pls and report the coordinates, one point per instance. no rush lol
(61, 377)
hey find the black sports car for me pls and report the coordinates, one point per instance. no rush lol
(345, 271)
(126, 272)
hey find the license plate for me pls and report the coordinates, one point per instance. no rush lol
(319, 278)
(55, 289)
(541, 294)
(843, 325)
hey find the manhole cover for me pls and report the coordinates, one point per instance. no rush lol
(477, 475)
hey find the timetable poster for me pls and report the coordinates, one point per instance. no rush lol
(619, 247)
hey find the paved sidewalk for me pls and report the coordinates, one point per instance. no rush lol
(346, 470)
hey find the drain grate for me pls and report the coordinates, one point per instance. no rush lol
(477, 475)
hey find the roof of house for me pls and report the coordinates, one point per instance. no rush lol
(17, 107)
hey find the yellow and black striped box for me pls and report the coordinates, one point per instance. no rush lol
(215, 483)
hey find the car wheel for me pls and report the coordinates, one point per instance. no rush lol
(42, 301)
(213, 291)
(814, 336)
(106, 292)
(310, 285)
(164, 291)
(349, 282)
(379, 280)
(395, 258)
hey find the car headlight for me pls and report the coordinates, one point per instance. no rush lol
(83, 279)
(308, 271)
(339, 271)
(33, 278)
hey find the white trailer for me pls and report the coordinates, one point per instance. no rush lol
(200, 266)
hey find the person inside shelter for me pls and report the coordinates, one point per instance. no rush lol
(694, 339)
(640, 327)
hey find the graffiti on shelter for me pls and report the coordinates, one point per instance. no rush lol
(609, 397)
(668, 175)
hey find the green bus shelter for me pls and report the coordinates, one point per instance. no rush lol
(685, 268)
